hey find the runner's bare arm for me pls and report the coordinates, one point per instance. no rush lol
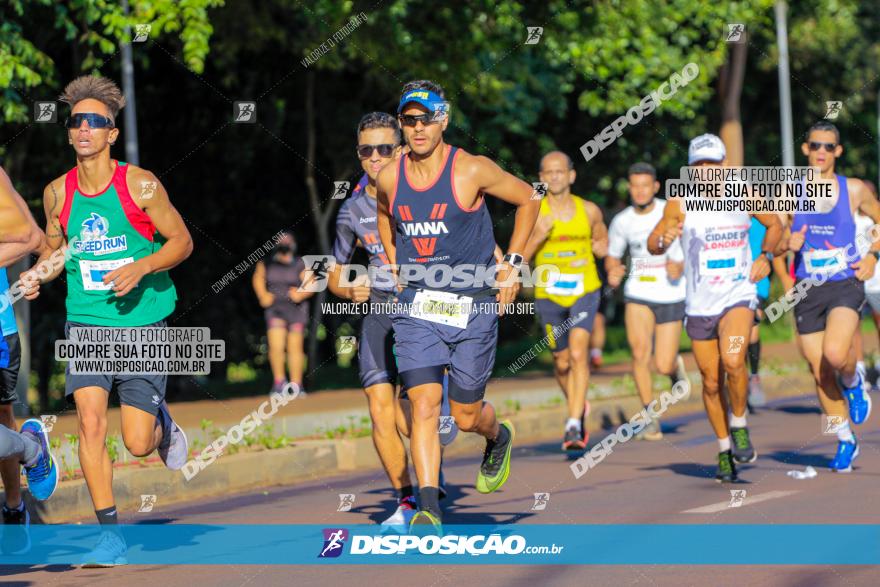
(539, 234)
(51, 250)
(773, 240)
(598, 228)
(488, 178)
(869, 206)
(168, 222)
(780, 269)
(498, 254)
(669, 228)
(771, 243)
(491, 179)
(259, 283)
(615, 269)
(19, 234)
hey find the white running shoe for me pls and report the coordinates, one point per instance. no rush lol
(174, 448)
(402, 516)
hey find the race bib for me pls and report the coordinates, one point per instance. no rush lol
(567, 284)
(441, 307)
(648, 270)
(824, 260)
(714, 262)
(93, 272)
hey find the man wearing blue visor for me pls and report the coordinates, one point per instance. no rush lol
(433, 219)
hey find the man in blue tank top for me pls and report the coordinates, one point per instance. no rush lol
(19, 236)
(433, 222)
(830, 277)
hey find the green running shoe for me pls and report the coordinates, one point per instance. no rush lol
(743, 451)
(726, 469)
(420, 522)
(495, 467)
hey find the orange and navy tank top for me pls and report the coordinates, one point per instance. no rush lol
(434, 230)
(105, 231)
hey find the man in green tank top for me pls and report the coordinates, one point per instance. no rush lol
(123, 235)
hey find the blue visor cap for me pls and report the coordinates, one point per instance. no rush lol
(426, 98)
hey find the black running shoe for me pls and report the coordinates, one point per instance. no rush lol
(16, 531)
(726, 468)
(742, 449)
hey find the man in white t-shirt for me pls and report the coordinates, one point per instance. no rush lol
(720, 301)
(655, 289)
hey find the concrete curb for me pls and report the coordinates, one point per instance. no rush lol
(310, 460)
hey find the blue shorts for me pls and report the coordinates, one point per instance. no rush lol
(424, 349)
(580, 315)
(376, 362)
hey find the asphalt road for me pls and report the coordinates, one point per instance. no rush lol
(665, 482)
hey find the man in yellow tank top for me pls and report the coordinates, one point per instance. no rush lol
(569, 234)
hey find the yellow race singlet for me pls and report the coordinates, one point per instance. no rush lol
(569, 246)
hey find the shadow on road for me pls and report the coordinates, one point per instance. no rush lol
(798, 409)
(13, 570)
(789, 457)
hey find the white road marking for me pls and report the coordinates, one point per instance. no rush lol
(747, 500)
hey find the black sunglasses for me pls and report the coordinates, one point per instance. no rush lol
(365, 151)
(814, 146)
(94, 120)
(413, 119)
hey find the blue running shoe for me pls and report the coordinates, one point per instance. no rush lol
(109, 552)
(846, 454)
(859, 401)
(43, 475)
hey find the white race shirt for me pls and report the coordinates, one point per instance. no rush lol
(863, 226)
(718, 260)
(648, 280)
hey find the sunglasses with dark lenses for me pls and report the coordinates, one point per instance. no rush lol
(814, 146)
(365, 151)
(94, 120)
(414, 119)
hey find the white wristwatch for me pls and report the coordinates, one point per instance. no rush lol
(515, 260)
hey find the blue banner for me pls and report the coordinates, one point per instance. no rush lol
(525, 544)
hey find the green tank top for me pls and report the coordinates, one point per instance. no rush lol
(105, 231)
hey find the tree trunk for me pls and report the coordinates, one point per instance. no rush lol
(730, 84)
(320, 218)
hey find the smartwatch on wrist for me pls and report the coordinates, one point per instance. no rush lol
(515, 260)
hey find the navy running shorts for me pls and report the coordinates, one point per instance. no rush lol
(376, 361)
(424, 349)
(580, 315)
